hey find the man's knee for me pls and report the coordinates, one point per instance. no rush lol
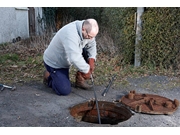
(60, 82)
(62, 90)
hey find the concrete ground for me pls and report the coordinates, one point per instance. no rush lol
(35, 105)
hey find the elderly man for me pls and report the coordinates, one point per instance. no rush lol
(74, 44)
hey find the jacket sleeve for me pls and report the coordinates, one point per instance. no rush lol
(73, 52)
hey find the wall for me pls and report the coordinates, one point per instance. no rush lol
(22, 23)
(13, 23)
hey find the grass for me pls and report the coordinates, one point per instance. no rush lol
(23, 62)
(10, 57)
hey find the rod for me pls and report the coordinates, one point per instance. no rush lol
(97, 106)
(109, 85)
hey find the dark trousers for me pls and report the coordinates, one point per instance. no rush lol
(59, 78)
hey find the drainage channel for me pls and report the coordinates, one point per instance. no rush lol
(110, 113)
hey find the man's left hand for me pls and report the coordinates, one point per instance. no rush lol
(91, 64)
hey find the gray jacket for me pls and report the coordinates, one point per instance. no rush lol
(65, 49)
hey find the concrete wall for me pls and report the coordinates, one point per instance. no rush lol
(13, 23)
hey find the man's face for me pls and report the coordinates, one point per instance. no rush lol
(87, 35)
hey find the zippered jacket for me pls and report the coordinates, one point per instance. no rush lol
(65, 49)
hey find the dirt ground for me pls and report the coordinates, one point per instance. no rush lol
(35, 105)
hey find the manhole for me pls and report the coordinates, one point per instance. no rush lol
(110, 113)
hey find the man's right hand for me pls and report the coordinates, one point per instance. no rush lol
(86, 75)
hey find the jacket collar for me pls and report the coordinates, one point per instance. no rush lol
(79, 28)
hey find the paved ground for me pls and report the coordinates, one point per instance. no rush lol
(34, 105)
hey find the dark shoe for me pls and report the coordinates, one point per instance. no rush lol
(45, 77)
(81, 82)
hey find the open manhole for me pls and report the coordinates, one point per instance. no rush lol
(110, 113)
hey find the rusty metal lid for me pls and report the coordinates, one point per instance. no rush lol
(149, 103)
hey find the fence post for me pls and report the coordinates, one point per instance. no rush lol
(137, 61)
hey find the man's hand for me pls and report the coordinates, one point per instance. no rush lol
(86, 76)
(91, 64)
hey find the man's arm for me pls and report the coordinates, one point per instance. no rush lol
(74, 55)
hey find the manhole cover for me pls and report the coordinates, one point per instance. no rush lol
(110, 113)
(149, 103)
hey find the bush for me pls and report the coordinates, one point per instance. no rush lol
(160, 32)
(160, 43)
(120, 24)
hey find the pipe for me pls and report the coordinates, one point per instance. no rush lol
(109, 85)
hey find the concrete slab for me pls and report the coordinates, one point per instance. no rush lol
(35, 105)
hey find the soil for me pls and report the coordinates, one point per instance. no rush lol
(35, 105)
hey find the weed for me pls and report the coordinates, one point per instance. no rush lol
(23, 62)
(8, 57)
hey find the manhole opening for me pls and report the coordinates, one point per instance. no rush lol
(110, 113)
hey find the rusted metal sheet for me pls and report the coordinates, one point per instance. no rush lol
(110, 113)
(149, 103)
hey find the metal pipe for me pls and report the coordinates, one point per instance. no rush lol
(109, 85)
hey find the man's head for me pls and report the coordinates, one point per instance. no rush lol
(90, 28)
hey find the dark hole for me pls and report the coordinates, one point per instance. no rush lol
(110, 113)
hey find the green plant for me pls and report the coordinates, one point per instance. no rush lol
(160, 42)
(120, 23)
(49, 17)
(8, 57)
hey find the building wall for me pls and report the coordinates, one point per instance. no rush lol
(22, 22)
(13, 23)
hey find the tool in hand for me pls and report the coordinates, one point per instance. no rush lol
(99, 118)
(5, 86)
(109, 85)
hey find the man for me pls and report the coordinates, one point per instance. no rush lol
(74, 44)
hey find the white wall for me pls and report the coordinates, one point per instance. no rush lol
(22, 22)
(13, 23)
